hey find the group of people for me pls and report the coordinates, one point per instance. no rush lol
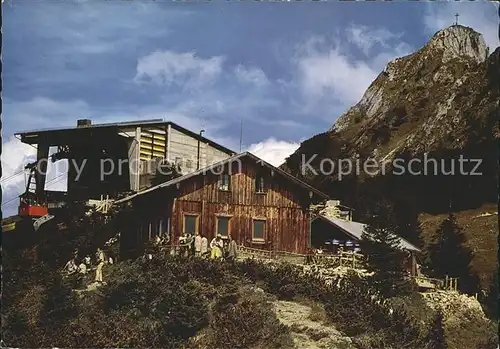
(161, 239)
(217, 249)
(223, 249)
(86, 264)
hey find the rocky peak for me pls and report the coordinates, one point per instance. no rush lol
(418, 84)
(459, 41)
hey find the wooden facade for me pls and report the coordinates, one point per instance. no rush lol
(229, 199)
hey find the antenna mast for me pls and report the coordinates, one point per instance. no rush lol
(198, 158)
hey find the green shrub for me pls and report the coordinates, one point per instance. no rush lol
(246, 322)
(284, 280)
(167, 303)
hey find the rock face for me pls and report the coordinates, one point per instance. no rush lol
(459, 41)
(459, 310)
(439, 97)
(453, 304)
(414, 103)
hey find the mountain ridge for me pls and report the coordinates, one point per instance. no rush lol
(416, 87)
(439, 97)
(440, 102)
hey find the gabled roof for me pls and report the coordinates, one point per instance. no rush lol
(34, 136)
(355, 230)
(224, 162)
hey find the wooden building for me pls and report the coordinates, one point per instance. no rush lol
(260, 205)
(330, 233)
(108, 159)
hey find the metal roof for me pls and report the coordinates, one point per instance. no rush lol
(223, 162)
(356, 229)
(109, 124)
(32, 137)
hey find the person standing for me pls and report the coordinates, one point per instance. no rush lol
(182, 243)
(220, 245)
(197, 245)
(204, 246)
(216, 245)
(213, 246)
(100, 260)
(232, 249)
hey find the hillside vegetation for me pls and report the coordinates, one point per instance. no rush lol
(195, 303)
(480, 226)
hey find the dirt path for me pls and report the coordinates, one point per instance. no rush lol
(309, 332)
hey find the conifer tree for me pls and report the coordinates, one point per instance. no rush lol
(448, 256)
(381, 246)
(409, 226)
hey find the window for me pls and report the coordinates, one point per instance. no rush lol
(259, 230)
(178, 161)
(190, 224)
(223, 225)
(189, 164)
(224, 182)
(259, 184)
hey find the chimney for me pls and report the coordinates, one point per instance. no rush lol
(83, 123)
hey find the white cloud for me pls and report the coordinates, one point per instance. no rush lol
(327, 70)
(334, 73)
(482, 16)
(252, 76)
(366, 38)
(182, 69)
(273, 151)
(15, 155)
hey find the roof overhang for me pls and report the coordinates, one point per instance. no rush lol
(63, 135)
(355, 229)
(313, 191)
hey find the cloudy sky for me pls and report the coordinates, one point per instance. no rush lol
(288, 70)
